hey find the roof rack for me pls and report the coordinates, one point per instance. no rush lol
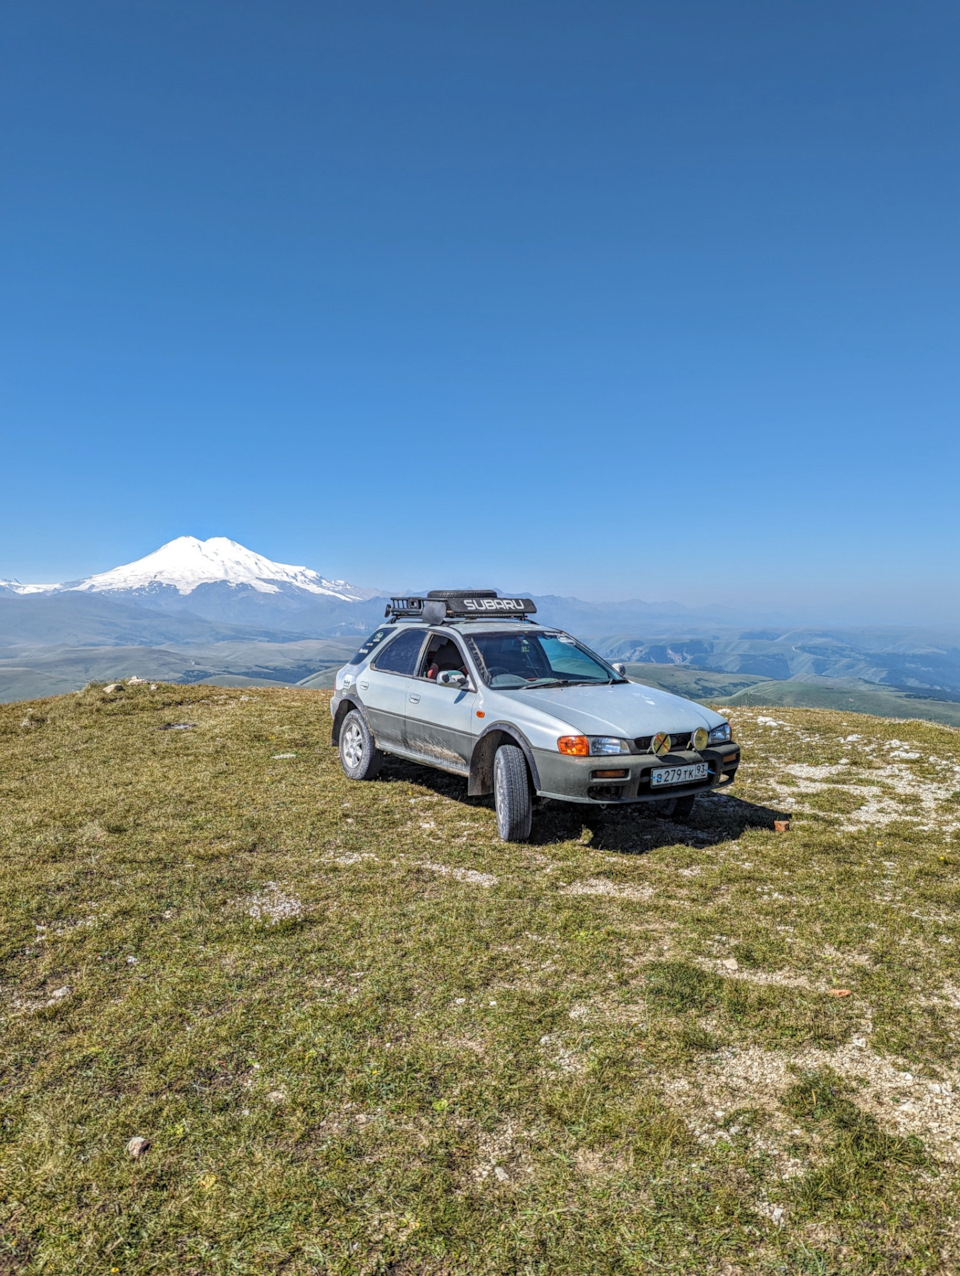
(482, 604)
(405, 608)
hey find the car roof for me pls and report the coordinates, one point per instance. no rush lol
(491, 626)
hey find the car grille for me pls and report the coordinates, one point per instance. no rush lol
(678, 742)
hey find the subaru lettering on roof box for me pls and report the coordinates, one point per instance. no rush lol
(494, 604)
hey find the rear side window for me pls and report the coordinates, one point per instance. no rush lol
(400, 656)
(374, 640)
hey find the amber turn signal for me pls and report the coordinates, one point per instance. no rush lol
(578, 745)
(608, 775)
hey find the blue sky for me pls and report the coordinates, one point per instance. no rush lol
(610, 299)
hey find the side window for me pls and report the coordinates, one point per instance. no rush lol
(374, 640)
(400, 656)
(441, 656)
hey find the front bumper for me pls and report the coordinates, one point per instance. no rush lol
(571, 779)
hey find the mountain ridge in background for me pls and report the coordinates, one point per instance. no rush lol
(215, 611)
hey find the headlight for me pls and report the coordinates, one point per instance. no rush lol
(720, 734)
(581, 745)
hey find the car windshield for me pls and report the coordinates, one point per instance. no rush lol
(511, 661)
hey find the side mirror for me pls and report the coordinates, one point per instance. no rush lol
(452, 678)
(620, 668)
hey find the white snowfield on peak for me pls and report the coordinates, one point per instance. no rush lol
(186, 563)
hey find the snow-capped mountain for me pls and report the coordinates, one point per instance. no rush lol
(216, 580)
(15, 587)
(187, 563)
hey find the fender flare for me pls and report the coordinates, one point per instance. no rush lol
(343, 708)
(481, 760)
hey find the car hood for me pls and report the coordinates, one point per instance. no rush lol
(625, 709)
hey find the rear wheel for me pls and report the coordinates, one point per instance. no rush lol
(678, 808)
(359, 755)
(511, 794)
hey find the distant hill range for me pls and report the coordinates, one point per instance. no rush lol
(214, 611)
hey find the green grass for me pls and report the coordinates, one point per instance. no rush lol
(695, 684)
(30, 671)
(848, 695)
(364, 1036)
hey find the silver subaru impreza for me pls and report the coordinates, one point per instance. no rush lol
(467, 682)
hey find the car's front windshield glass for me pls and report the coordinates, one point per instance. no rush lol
(511, 661)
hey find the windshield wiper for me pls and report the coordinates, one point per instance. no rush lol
(570, 682)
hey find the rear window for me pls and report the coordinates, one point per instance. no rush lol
(400, 656)
(374, 640)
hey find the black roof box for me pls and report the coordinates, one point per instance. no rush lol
(454, 604)
(462, 593)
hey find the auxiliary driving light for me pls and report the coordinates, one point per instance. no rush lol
(699, 738)
(660, 744)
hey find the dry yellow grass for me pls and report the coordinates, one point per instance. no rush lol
(361, 1035)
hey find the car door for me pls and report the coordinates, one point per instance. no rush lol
(385, 684)
(441, 719)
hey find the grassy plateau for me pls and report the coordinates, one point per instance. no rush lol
(360, 1035)
(848, 695)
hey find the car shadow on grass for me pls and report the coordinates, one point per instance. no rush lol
(640, 828)
(632, 830)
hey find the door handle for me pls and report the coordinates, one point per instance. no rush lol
(363, 685)
(413, 699)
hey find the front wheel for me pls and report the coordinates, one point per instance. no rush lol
(359, 755)
(511, 794)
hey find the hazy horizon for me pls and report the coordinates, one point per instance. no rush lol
(749, 610)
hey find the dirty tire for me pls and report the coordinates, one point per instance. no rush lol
(680, 808)
(359, 755)
(511, 794)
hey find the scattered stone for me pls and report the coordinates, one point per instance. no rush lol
(131, 960)
(111, 687)
(27, 723)
(839, 992)
(58, 994)
(272, 906)
(135, 681)
(501, 1173)
(274, 756)
(276, 1096)
(153, 686)
(178, 726)
(603, 886)
(137, 1146)
(461, 874)
(731, 963)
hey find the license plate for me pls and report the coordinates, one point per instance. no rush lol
(679, 775)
